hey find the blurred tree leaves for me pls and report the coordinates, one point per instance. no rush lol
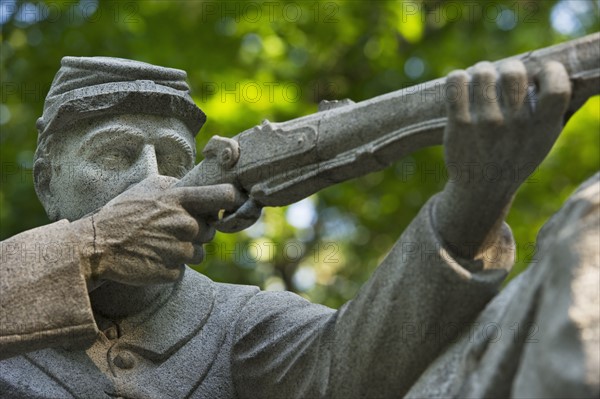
(252, 60)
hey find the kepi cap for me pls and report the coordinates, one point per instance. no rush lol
(96, 86)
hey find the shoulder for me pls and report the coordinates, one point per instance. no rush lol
(254, 306)
(283, 309)
(282, 347)
(578, 214)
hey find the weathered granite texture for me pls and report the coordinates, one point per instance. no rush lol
(100, 303)
(539, 338)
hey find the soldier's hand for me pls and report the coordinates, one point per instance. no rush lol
(147, 234)
(498, 135)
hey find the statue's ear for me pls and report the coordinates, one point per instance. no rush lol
(42, 176)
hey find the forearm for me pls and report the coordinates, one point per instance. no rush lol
(44, 300)
(414, 304)
(378, 344)
(469, 218)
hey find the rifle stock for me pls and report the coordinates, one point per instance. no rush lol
(277, 164)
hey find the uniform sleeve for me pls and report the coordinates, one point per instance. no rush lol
(43, 295)
(379, 343)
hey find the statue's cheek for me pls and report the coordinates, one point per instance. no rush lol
(93, 186)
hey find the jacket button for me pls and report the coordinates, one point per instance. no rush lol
(124, 360)
(111, 333)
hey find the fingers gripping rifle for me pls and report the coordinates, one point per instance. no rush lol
(277, 164)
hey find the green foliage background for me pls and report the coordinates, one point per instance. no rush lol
(303, 52)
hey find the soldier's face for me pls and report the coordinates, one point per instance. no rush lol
(100, 158)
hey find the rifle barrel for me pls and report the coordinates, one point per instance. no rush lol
(281, 163)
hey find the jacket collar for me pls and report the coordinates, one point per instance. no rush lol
(156, 333)
(171, 320)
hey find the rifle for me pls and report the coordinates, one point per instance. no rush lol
(277, 164)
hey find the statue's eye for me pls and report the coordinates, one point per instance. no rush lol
(172, 165)
(113, 158)
(173, 160)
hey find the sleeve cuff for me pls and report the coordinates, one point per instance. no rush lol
(44, 298)
(498, 253)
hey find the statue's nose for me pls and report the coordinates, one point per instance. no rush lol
(147, 164)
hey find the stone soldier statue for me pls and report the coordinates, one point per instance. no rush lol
(100, 304)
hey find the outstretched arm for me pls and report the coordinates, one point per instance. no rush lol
(443, 270)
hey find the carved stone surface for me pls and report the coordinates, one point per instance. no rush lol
(539, 338)
(118, 314)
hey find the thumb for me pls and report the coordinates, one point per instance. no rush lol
(148, 186)
(155, 183)
(555, 89)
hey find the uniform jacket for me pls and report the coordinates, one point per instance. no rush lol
(201, 339)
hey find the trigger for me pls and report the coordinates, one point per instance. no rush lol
(244, 217)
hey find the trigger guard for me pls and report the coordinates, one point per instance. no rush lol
(244, 217)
